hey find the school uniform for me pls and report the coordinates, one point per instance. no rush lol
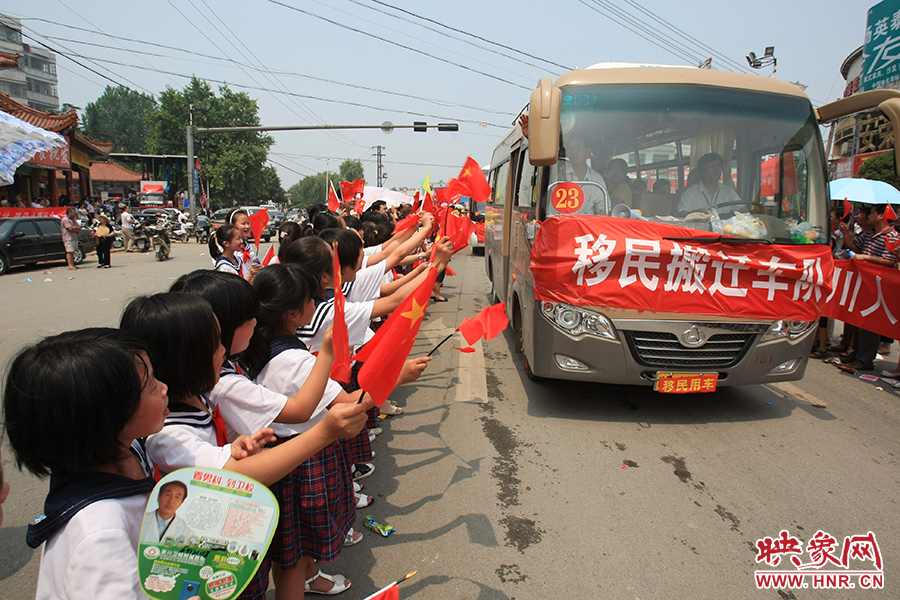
(318, 506)
(248, 256)
(91, 533)
(226, 266)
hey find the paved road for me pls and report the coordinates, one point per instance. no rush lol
(503, 488)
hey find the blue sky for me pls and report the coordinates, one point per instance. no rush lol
(301, 53)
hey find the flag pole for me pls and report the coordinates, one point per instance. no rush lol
(361, 394)
(408, 575)
(433, 350)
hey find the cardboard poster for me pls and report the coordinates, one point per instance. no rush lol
(204, 535)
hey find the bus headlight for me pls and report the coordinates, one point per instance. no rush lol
(576, 321)
(788, 329)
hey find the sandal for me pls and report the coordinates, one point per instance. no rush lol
(838, 348)
(363, 500)
(438, 299)
(353, 538)
(891, 374)
(818, 353)
(339, 583)
(389, 408)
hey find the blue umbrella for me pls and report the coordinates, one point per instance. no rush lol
(865, 191)
(20, 141)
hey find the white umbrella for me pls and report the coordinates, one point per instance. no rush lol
(19, 142)
(865, 191)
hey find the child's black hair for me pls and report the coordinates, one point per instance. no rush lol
(183, 335)
(288, 232)
(321, 222)
(353, 222)
(233, 299)
(349, 245)
(378, 234)
(374, 217)
(218, 239)
(233, 215)
(68, 398)
(281, 288)
(313, 253)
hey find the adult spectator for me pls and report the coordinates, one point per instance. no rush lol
(70, 231)
(127, 227)
(870, 246)
(105, 236)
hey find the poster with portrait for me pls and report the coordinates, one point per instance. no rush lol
(204, 535)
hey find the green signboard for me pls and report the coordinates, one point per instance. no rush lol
(881, 52)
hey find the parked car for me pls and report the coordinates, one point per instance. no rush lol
(27, 240)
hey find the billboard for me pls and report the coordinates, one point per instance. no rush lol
(881, 51)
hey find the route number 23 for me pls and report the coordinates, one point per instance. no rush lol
(568, 197)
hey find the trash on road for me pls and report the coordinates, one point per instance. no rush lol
(384, 530)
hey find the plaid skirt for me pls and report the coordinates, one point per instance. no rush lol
(318, 508)
(256, 589)
(359, 449)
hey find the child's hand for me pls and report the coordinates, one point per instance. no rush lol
(248, 445)
(443, 254)
(412, 369)
(346, 420)
(327, 342)
(427, 222)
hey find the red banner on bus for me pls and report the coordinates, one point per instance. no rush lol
(639, 265)
(858, 294)
(7, 212)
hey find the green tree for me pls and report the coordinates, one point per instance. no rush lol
(351, 170)
(880, 168)
(120, 116)
(311, 189)
(235, 168)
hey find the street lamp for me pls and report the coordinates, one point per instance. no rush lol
(765, 60)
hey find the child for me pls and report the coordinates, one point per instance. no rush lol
(240, 219)
(75, 405)
(226, 249)
(183, 335)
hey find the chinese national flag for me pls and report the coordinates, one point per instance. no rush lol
(487, 324)
(471, 183)
(889, 214)
(391, 592)
(891, 245)
(359, 206)
(334, 204)
(350, 189)
(269, 255)
(459, 229)
(411, 220)
(340, 370)
(428, 203)
(385, 353)
(848, 208)
(258, 223)
(416, 203)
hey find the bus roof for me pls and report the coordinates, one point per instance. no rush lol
(623, 73)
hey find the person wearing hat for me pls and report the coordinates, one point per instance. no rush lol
(105, 236)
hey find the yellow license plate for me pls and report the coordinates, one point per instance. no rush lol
(685, 383)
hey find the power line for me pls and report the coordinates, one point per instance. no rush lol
(549, 62)
(411, 49)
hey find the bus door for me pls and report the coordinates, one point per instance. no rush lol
(497, 226)
(525, 199)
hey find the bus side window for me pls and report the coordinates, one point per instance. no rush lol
(527, 174)
(502, 174)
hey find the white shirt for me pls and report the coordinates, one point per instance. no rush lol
(226, 266)
(181, 446)
(594, 204)
(127, 220)
(286, 374)
(356, 314)
(697, 197)
(366, 286)
(246, 406)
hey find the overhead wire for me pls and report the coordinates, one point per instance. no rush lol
(399, 45)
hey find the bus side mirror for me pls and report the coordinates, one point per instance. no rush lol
(543, 124)
(891, 108)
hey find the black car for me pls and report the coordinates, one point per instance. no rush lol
(27, 240)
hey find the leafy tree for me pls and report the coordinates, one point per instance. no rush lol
(351, 170)
(311, 189)
(120, 115)
(235, 168)
(880, 168)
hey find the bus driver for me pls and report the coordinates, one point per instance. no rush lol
(708, 192)
(577, 170)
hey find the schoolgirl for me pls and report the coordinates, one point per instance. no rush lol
(75, 407)
(226, 250)
(183, 335)
(240, 219)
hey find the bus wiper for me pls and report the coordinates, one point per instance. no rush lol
(720, 239)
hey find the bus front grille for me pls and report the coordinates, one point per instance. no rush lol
(663, 350)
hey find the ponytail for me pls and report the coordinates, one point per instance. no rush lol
(218, 238)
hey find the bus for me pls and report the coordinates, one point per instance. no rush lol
(665, 226)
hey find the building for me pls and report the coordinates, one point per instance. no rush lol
(33, 82)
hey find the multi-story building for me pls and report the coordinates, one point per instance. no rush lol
(34, 82)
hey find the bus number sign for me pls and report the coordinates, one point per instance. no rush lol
(568, 197)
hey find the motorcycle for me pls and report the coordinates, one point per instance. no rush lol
(183, 231)
(160, 241)
(140, 239)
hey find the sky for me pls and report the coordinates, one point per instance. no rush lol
(363, 62)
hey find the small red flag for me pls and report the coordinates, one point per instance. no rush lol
(428, 203)
(411, 220)
(333, 203)
(359, 206)
(848, 208)
(391, 592)
(450, 271)
(386, 353)
(890, 244)
(258, 223)
(471, 183)
(269, 255)
(459, 229)
(889, 214)
(467, 350)
(487, 324)
(349, 190)
(417, 203)
(340, 342)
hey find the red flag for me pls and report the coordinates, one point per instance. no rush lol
(333, 203)
(391, 592)
(458, 229)
(350, 189)
(450, 271)
(340, 341)
(393, 342)
(471, 183)
(416, 203)
(411, 220)
(487, 324)
(428, 204)
(889, 214)
(890, 244)
(258, 223)
(359, 206)
(466, 350)
(269, 255)
(848, 208)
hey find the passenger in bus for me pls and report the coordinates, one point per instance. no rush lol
(704, 190)
(577, 170)
(619, 183)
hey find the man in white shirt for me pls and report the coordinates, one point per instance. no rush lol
(709, 192)
(127, 227)
(577, 170)
(163, 523)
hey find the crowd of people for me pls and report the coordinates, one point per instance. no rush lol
(228, 369)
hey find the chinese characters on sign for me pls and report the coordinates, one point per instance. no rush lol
(858, 294)
(881, 51)
(854, 556)
(55, 157)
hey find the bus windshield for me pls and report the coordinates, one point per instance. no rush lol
(729, 161)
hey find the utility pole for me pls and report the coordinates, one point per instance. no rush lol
(381, 174)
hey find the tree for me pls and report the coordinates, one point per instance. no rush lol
(880, 168)
(235, 168)
(351, 170)
(311, 189)
(120, 116)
